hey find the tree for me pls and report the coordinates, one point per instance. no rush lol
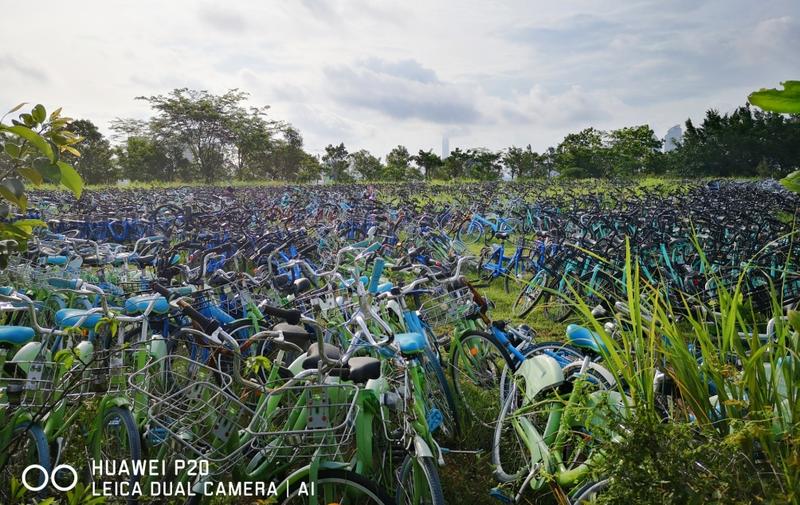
(430, 164)
(523, 163)
(367, 166)
(150, 155)
(736, 144)
(582, 154)
(633, 150)
(397, 164)
(337, 163)
(205, 123)
(455, 166)
(95, 163)
(483, 165)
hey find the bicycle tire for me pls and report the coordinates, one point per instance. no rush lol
(530, 295)
(366, 487)
(40, 455)
(430, 474)
(134, 441)
(588, 492)
(468, 389)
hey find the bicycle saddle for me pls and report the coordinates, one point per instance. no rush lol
(66, 318)
(15, 335)
(501, 235)
(332, 352)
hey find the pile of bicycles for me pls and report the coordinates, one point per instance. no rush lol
(280, 337)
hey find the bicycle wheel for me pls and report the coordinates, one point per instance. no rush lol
(28, 447)
(557, 307)
(119, 441)
(530, 295)
(470, 232)
(511, 454)
(589, 492)
(418, 483)
(487, 265)
(341, 487)
(476, 364)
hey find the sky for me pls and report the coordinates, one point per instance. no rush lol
(375, 74)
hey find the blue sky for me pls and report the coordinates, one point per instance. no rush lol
(374, 74)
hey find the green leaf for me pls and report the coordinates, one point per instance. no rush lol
(28, 225)
(34, 139)
(13, 190)
(12, 150)
(31, 174)
(71, 179)
(792, 182)
(28, 120)
(39, 113)
(18, 107)
(4, 209)
(786, 101)
(50, 171)
(54, 115)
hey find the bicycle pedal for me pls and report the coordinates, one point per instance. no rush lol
(499, 495)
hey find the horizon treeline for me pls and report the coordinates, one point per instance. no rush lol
(195, 135)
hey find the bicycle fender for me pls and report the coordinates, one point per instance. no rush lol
(540, 372)
(421, 448)
(157, 347)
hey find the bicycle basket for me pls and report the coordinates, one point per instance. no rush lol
(194, 406)
(29, 383)
(447, 308)
(297, 423)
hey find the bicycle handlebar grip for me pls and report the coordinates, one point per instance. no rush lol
(161, 290)
(458, 283)
(291, 316)
(64, 283)
(208, 325)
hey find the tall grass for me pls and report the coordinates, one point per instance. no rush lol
(734, 388)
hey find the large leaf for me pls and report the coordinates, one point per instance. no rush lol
(71, 179)
(14, 191)
(18, 107)
(31, 174)
(792, 181)
(39, 113)
(34, 139)
(12, 150)
(49, 170)
(785, 101)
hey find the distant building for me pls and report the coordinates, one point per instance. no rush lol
(672, 137)
(445, 146)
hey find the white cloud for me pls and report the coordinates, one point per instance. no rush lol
(375, 74)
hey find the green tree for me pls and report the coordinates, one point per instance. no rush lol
(633, 150)
(336, 161)
(429, 163)
(397, 164)
(95, 163)
(582, 154)
(367, 166)
(203, 122)
(524, 163)
(736, 144)
(455, 166)
(483, 165)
